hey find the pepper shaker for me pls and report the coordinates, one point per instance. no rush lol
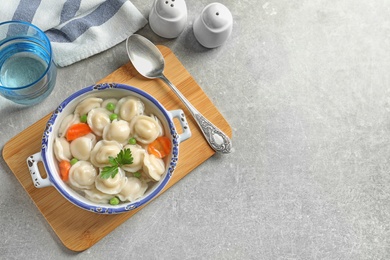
(168, 18)
(213, 26)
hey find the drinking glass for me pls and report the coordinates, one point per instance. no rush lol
(27, 70)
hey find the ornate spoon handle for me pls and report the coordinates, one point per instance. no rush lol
(217, 139)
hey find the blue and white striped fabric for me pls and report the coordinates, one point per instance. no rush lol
(77, 29)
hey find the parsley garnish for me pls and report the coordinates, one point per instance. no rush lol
(124, 157)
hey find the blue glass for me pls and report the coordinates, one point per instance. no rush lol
(27, 71)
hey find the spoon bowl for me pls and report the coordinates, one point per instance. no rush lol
(149, 62)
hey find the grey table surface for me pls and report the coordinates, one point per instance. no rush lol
(305, 88)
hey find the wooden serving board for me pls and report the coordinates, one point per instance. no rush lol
(81, 232)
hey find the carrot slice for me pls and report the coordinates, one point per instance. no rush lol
(77, 130)
(160, 147)
(64, 170)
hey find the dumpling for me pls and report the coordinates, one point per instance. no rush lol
(133, 189)
(111, 185)
(66, 122)
(102, 150)
(62, 149)
(110, 100)
(129, 107)
(138, 154)
(81, 147)
(97, 196)
(97, 119)
(118, 130)
(82, 175)
(87, 105)
(145, 129)
(159, 124)
(154, 167)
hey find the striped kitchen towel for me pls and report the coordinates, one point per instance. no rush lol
(77, 29)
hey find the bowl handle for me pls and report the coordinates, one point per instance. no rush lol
(179, 114)
(32, 163)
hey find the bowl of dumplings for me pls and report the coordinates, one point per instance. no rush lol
(109, 148)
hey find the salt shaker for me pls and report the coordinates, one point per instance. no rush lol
(168, 18)
(213, 26)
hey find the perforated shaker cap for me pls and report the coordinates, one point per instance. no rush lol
(171, 9)
(216, 16)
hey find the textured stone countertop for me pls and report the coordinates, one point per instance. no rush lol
(304, 86)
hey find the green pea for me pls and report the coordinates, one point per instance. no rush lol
(110, 106)
(114, 201)
(73, 161)
(113, 116)
(137, 174)
(132, 140)
(83, 118)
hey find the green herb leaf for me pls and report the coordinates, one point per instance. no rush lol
(123, 157)
(109, 171)
(112, 161)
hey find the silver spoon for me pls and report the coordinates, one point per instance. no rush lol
(149, 62)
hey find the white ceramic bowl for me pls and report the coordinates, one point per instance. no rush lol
(46, 155)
